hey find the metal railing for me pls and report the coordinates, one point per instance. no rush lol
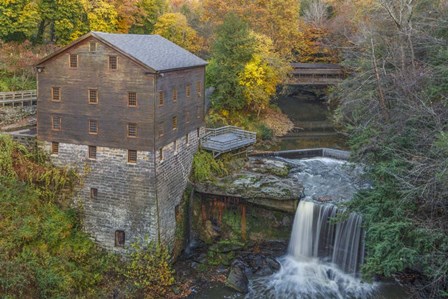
(232, 138)
(229, 129)
(18, 98)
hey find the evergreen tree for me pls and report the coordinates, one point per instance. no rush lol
(231, 51)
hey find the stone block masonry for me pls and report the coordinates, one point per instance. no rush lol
(172, 173)
(139, 198)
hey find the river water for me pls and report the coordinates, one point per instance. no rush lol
(323, 259)
(312, 120)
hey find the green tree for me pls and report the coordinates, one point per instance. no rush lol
(152, 10)
(18, 19)
(231, 51)
(174, 26)
(61, 21)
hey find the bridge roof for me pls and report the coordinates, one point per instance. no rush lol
(300, 65)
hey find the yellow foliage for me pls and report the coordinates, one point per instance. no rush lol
(277, 19)
(174, 26)
(102, 16)
(262, 74)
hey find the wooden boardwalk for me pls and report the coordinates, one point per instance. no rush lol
(226, 139)
(18, 98)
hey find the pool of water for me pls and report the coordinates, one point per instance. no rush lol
(308, 113)
(383, 290)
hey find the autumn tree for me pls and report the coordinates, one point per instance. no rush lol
(262, 74)
(231, 51)
(151, 11)
(174, 26)
(101, 15)
(18, 19)
(312, 45)
(129, 13)
(277, 19)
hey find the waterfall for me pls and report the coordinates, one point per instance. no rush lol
(323, 259)
(313, 235)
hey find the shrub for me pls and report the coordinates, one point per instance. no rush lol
(264, 132)
(43, 252)
(149, 269)
(205, 167)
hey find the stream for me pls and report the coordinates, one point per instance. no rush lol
(312, 122)
(323, 259)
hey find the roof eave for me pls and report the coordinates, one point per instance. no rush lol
(182, 68)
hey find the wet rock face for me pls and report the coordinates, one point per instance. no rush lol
(237, 278)
(264, 182)
(249, 266)
(211, 232)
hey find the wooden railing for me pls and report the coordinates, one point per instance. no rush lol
(314, 80)
(18, 98)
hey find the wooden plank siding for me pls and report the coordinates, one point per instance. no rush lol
(185, 108)
(112, 112)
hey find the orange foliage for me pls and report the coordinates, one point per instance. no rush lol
(17, 57)
(277, 19)
(312, 48)
(129, 13)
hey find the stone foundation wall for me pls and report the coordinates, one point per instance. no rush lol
(130, 196)
(28, 141)
(125, 192)
(172, 176)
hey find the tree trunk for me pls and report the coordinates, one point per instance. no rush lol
(382, 100)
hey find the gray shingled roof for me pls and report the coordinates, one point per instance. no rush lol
(154, 51)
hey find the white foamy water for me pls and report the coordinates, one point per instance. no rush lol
(308, 278)
(324, 258)
(326, 179)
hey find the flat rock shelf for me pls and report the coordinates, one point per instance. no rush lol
(264, 182)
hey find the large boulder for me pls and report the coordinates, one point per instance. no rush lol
(264, 182)
(237, 278)
(262, 265)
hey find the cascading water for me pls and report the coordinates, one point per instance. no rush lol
(314, 235)
(323, 257)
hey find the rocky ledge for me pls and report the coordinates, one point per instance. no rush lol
(265, 182)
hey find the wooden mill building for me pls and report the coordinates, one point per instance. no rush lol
(127, 111)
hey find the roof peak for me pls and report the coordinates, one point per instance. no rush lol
(153, 50)
(112, 33)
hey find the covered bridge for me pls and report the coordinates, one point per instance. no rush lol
(315, 74)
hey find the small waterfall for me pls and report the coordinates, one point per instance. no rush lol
(323, 259)
(313, 235)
